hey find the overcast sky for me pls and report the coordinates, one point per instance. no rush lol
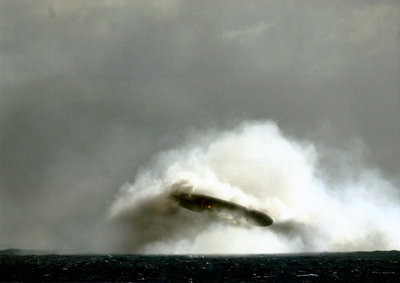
(92, 91)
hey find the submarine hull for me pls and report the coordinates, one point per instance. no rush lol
(219, 207)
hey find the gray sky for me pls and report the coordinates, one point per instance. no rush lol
(92, 91)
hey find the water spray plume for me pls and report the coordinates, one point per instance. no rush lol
(258, 167)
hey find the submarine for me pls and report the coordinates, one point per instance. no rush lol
(221, 208)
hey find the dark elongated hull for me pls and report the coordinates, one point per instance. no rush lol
(215, 206)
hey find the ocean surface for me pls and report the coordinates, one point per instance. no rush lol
(380, 266)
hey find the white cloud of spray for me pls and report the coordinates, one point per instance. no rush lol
(257, 166)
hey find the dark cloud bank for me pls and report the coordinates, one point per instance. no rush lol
(92, 91)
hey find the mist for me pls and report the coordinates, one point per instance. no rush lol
(157, 95)
(257, 166)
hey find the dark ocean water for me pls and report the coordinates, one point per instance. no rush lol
(328, 267)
